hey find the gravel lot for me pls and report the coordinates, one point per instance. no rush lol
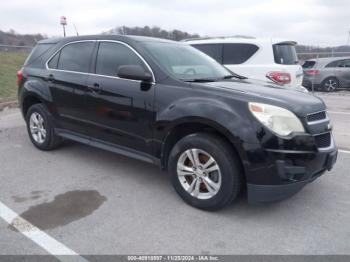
(96, 202)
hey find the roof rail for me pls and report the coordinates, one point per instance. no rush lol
(217, 37)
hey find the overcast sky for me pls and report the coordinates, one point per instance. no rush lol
(317, 22)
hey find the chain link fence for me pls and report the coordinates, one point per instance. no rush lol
(11, 60)
(326, 71)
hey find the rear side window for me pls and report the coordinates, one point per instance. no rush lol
(111, 56)
(344, 63)
(333, 64)
(238, 53)
(285, 54)
(309, 64)
(54, 61)
(76, 57)
(212, 50)
(38, 51)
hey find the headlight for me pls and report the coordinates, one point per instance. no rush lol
(281, 121)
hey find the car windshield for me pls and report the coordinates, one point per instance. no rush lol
(186, 62)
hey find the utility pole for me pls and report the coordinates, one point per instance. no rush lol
(63, 22)
(76, 31)
(348, 41)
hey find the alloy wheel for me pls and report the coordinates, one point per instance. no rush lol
(37, 129)
(199, 173)
(330, 85)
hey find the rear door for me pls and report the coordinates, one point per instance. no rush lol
(67, 77)
(343, 72)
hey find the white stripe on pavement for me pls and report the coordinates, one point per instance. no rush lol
(344, 151)
(338, 112)
(39, 237)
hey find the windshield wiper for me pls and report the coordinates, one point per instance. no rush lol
(234, 76)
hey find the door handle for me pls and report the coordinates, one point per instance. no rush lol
(50, 78)
(95, 88)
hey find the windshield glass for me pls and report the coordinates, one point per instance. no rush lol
(185, 62)
(285, 54)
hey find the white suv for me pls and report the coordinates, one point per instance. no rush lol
(262, 59)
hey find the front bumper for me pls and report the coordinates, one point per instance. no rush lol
(291, 172)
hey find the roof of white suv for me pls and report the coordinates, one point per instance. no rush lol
(261, 41)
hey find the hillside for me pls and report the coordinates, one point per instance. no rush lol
(12, 38)
(154, 31)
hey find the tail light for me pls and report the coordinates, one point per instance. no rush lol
(19, 77)
(312, 72)
(281, 78)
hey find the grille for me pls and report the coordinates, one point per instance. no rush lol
(323, 140)
(317, 116)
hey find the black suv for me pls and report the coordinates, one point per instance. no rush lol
(167, 103)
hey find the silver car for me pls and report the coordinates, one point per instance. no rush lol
(327, 74)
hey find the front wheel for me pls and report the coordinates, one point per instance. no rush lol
(205, 171)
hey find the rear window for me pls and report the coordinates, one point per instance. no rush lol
(285, 54)
(309, 64)
(38, 51)
(333, 64)
(212, 50)
(238, 53)
(76, 57)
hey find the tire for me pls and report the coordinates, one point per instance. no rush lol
(37, 119)
(330, 84)
(227, 179)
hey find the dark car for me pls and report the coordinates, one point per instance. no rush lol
(169, 104)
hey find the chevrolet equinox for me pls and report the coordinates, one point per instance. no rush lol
(169, 104)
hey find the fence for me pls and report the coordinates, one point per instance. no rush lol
(11, 60)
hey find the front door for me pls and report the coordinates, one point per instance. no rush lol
(343, 72)
(120, 111)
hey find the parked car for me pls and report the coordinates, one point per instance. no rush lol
(327, 74)
(263, 59)
(169, 104)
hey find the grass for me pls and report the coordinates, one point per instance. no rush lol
(10, 63)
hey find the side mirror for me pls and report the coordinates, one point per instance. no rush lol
(134, 72)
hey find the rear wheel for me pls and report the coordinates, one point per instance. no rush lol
(205, 171)
(330, 84)
(41, 129)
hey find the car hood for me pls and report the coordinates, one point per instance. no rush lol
(299, 102)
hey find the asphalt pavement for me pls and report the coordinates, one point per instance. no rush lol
(96, 202)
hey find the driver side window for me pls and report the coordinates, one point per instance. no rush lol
(111, 56)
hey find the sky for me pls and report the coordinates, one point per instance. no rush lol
(314, 22)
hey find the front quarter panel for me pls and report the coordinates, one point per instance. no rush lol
(179, 105)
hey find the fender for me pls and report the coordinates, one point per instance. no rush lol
(34, 88)
(210, 112)
(215, 113)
